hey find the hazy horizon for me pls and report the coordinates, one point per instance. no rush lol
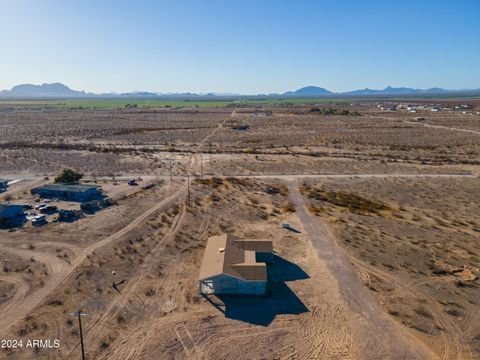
(271, 47)
(229, 92)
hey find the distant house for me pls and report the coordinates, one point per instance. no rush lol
(10, 212)
(388, 107)
(235, 266)
(73, 192)
(241, 127)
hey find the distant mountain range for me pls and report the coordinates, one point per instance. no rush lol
(59, 90)
(400, 90)
(42, 91)
(308, 91)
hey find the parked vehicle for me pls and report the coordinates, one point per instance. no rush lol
(40, 206)
(48, 208)
(39, 220)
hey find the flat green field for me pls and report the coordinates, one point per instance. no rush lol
(106, 103)
(147, 103)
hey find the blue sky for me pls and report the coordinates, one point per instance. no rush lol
(244, 47)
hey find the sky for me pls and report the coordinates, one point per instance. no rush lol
(245, 47)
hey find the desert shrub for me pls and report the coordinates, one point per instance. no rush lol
(214, 198)
(68, 176)
(214, 182)
(315, 210)
(273, 190)
(289, 207)
(332, 111)
(239, 181)
(55, 302)
(353, 202)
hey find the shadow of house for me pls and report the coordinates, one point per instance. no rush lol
(262, 309)
(282, 270)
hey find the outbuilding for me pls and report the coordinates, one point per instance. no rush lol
(235, 266)
(75, 192)
(10, 212)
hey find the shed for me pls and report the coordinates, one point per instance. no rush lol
(75, 192)
(235, 266)
(10, 211)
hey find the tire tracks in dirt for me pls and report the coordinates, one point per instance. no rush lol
(60, 271)
(21, 291)
(454, 346)
(376, 335)
(95, 329)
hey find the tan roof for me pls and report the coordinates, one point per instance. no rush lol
(227, 254)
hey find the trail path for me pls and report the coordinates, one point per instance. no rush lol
(377, 336)
(59, 270)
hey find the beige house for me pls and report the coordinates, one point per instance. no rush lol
(235, 266)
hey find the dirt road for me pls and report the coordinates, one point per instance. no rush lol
(59, 270)
(428, 125)
(291, 177)
(443, 127)
(23, 301)
(377, 337)
(21, 290)
(95, 328)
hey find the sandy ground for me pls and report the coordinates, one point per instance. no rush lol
(398, 283)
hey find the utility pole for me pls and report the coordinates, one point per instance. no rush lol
(201, 166)
(188, 188)
(171, 175)
(210, 151)
(79, 314)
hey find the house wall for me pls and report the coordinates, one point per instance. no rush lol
(78, 196)
(223, 284)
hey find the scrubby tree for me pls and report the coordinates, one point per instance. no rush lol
(68, 176)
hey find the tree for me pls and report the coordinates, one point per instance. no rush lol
(68, 176)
